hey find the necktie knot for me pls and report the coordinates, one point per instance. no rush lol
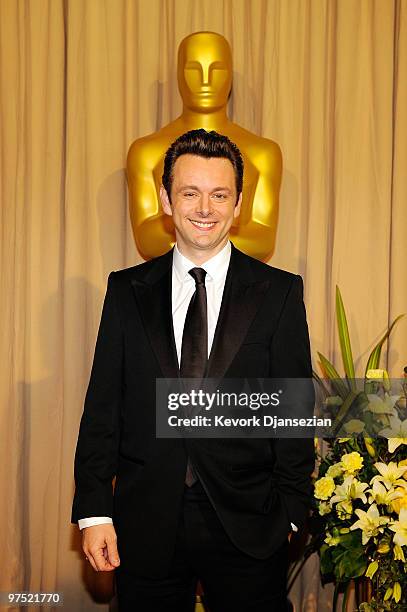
(198, 274)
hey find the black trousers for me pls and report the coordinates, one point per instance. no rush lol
(232, 581)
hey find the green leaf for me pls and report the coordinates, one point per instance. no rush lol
(351, 563)
(326, 565)
(320, 382)
(343, 411)
(374, 357)
(337, 382)
(344, 340)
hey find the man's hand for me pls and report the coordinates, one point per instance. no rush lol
(99, 544)
(289, 535)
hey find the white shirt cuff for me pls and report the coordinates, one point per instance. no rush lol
(94, 520)
(294, 527)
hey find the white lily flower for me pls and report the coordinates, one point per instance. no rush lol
(351, 488)
(400, 528)
(389, 474)
(370, 523)
(380, 495)
(379, 405)
(396, 433)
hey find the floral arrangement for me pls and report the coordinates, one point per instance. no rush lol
(360, 488)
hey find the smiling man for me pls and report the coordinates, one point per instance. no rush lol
(215, 510)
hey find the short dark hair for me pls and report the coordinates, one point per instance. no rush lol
(205, 144)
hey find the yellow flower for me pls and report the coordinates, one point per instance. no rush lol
(379, 375)
(324, 487)
(332, 540)
(344, 510)
(370, 522)
(388, 594)
(324, 508)
(375, 374)
(383, 548)
(370, 447)
(401, 501)
(400, 528)
(335, 470)
(372, 569)
(352, 462)
(396, 592)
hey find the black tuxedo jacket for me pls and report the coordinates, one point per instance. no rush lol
(258, 486)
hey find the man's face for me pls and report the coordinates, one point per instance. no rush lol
(203, 204)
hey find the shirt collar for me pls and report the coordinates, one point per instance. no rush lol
(216, 267)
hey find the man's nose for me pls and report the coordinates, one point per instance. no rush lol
(205, 204)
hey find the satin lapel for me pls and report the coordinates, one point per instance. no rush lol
(241, 299)
(153, 296)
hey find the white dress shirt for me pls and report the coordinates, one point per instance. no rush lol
(183, 288)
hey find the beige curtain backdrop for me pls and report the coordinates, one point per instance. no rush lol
(80, 80)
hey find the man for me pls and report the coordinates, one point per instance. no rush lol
(216, 510)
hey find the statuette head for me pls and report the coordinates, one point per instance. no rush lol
(204, 71)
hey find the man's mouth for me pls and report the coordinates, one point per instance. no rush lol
(206, 225)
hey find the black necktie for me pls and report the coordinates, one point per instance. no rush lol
(194, 350)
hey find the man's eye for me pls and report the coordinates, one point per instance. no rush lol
(220, 196)
(189, 194)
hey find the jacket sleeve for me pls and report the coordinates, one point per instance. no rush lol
(97, 446)
(290, 357)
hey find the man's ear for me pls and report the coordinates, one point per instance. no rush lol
(165, 201)
(238, 206)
